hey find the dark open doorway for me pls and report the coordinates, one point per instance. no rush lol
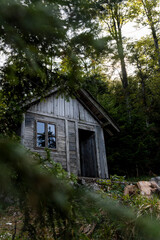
(88, 158)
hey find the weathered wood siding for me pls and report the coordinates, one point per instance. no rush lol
(68, 116)
(58, 155)
(59, 107)
(102, 152)
(72, 147)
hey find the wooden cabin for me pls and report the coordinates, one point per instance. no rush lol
(73, 131)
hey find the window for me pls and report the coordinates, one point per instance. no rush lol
(45, 135)
(40, 134)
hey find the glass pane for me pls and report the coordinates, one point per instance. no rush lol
(51, 142)
(40, 140)
(51, 129)
(41, 127)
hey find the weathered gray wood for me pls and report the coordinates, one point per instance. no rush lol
(81, 112)
(102, 153)
(51, 116)
(98, 153)
(30, 134)
(55, 102)
(88, 156)
(49, 105)
(77, 149)
(75, 109)
(68, 118)
(60, 107)
(67, 146)
(71, 115)
(66, 109)
(86, 126)
(99, 108)
(72, 147)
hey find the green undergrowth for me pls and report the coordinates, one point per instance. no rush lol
(48, 166)
(114, 188)
(53, 205)
(142, 206)
(140, 178)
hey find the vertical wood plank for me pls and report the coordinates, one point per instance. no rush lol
(77, 149)
(49, 105)
(66, 109)
(97, 152)
(33, 108)
(102, 153)
(67, 146)
(44, 109)
(75, 109)
(56, 105)
(38, 107)
(23, 130)
(62, 105)
(81, 111)
(70, 108)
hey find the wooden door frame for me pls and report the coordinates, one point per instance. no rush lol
(97, 165)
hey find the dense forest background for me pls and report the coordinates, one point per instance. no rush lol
(68, 44)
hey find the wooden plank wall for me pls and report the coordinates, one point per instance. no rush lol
(68, 116)
(72, 147)
(102, 153)
(58, 155)
(59, 107)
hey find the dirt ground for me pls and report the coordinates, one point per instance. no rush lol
(11, 222)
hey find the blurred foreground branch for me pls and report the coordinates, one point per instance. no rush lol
(60, 206)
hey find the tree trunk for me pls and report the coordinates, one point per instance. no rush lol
(122, 60)
(154, 34)
(153, 29)
(114, 26)
(143, 85)
(124, 77)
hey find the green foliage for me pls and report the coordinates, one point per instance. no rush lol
(45, 45)
(134, 151)
(56, 209)
(113, 187)
(52, 168)
(45, 200)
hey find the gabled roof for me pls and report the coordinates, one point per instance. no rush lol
(98, 112)
(91, 104)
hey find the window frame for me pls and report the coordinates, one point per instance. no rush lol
(45, 134)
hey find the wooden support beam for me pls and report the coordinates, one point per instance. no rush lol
(97, 153)
(77, 149)
(23, 130)
(67, 147)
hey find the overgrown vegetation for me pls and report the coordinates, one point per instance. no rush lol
(52, 205)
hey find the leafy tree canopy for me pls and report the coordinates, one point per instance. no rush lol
(46, 43)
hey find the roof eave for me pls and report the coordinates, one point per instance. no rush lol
(104, 118)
